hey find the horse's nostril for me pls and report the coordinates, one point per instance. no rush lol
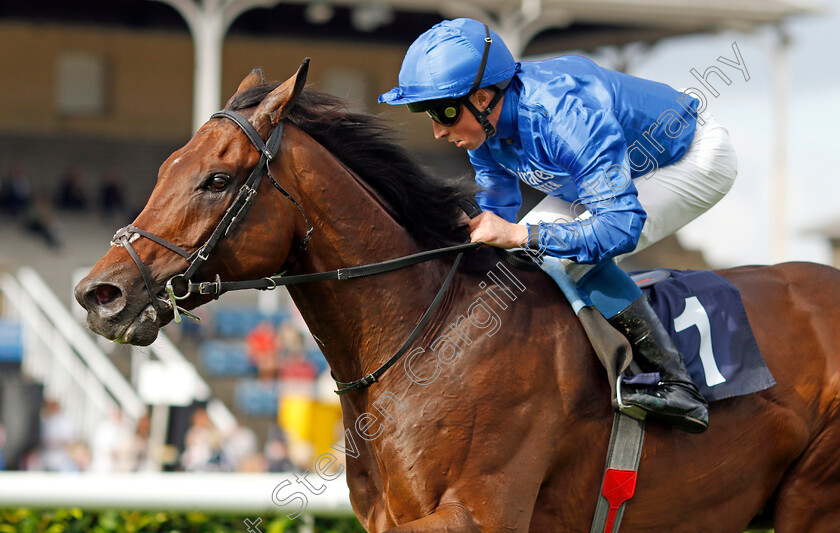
(106, 293)
(100, 298)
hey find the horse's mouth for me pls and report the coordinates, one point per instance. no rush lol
(141, 330)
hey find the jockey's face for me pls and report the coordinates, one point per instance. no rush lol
(467, 133)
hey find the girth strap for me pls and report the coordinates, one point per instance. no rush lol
(619, 481)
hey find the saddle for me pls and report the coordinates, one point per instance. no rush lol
(705, 317)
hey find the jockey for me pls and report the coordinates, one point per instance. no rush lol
(624, 161)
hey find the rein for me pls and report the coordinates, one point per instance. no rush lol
(234, 214)
(342, 274)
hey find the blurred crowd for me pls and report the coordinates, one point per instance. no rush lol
(304, 422)
(36, 210)
(207, 449)
(308, 410)
(279, 353)
(116, 447)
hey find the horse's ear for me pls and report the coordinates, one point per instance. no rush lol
(279, 103)
(254, 78)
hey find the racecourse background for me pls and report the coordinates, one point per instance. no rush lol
(146, 115)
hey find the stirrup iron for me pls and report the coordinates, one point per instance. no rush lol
(632, 411)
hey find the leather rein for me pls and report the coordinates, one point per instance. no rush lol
(234, 214)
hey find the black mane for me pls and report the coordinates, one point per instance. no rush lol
(428, 208)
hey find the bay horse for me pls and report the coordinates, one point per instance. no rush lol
(499, 417)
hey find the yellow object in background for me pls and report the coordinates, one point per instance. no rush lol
(295, 415)
(326, 426)
(306, 421)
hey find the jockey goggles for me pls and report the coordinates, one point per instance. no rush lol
(447, 111)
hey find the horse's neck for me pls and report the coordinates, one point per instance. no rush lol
(358, 323)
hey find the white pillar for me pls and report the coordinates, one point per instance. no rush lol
(208, 39)
(158, 430)
(208, 21)
(779, 208)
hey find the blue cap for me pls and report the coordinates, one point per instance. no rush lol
(444, 61)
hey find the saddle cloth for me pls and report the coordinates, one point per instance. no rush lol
(706, 318)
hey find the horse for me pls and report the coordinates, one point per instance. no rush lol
(498, 419)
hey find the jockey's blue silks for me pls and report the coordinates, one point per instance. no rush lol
(609, 288)
(567, 127)
(581, 133)
(553, 266)
(606, 286)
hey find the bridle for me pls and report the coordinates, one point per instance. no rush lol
(240, 206)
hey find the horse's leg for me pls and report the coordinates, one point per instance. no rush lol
(447, 517)
(809, 495)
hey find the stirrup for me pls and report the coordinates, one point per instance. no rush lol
(632, 411)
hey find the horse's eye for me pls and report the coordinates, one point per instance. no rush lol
(218, 182)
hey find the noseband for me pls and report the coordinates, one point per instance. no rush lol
(237, 210)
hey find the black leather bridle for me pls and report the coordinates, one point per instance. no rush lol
(240, 206)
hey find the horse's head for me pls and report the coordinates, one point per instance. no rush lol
(183, 228)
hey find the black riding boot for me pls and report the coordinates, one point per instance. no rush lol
(676, 398)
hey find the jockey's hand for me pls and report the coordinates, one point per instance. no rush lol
(492, 229)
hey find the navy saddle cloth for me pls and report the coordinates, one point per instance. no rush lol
(705, 316)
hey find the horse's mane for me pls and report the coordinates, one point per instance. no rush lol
(427, 207)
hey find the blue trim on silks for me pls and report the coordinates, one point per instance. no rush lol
(553, 266)
(610, 288)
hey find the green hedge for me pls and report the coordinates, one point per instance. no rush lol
(78, 521)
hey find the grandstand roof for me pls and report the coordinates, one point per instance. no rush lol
(553, 24)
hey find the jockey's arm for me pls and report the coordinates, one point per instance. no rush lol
(589, 145)
(499, 198)
(606, 219)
